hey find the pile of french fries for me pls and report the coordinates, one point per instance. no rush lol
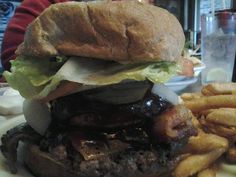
(214, 114)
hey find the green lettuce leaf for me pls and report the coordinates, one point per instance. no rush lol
(36, 78)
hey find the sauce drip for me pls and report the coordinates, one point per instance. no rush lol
(102, 116)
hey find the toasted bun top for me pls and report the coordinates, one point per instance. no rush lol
(123, 31)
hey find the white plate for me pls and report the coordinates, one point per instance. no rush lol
(198, 69)
(3, 88)
(10, 100)
(177, 78)
(180, 85)
(226, 170)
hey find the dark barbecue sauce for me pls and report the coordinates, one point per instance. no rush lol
(90, 114)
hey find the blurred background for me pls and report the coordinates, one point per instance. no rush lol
(7, 9)
(189, 14)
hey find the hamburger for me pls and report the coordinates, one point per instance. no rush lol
(87, 72)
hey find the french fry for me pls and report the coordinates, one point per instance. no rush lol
(219, 89)
(207, 111)
(196, 123)
(205, 143)
(205, 149)
(211, 102)
(196, 163)
(220, 130)
(223, 116)
(190, 96)
(215, 109)
(207, 173)
(206, 92)
(231, 155)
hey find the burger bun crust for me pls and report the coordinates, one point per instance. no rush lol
(123, 31)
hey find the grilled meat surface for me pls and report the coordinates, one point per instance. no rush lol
(10, 140)
(88, 137)
(128, 151)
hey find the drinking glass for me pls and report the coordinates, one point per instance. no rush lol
(218, 46)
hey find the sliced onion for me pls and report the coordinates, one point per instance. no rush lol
(37, 115)
(166, 93)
